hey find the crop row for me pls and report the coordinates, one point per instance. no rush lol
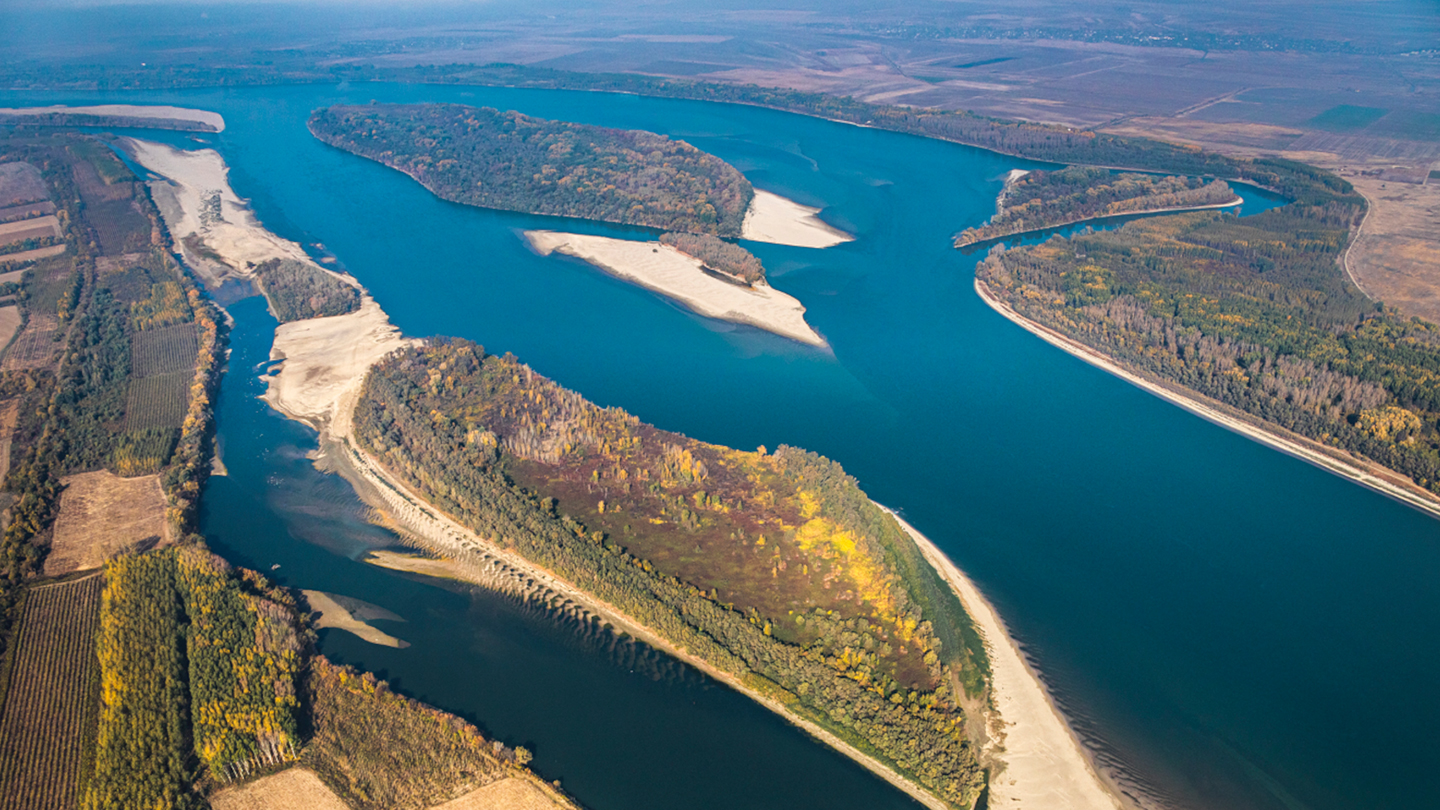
(158, 402)
(50, 709)
(163, 351)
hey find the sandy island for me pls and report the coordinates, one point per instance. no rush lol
(1381, 479)
(675, 275)
(210, 119)
(1044, 764)
(353, 616)
(775, 219)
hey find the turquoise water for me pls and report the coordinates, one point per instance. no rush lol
(1227, 626)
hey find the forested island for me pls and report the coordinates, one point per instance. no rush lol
(507, 160)
(774, 568)
(1255, 313)
(1038, 200)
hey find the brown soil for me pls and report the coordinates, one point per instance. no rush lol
(102, 516)
(9, 411)
(293, 789)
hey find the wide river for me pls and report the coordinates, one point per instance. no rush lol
(1226, 626)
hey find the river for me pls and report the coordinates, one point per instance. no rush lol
(1226, 626)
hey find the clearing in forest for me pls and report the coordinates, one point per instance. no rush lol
(9, 324)
(35, 346)
(9, 413)
(293, 789)
(103, 515)
(50, 708)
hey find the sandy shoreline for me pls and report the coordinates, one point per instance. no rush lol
(210, 119)
(673, 274)
(1179, 209)
(781, 221)
(1386, 482)
(1044, 763)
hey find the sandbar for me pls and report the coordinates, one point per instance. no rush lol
(675, 275)
(210, 119)
(195, 200)
(351, 615)
(1044, 764)
(781, 221)
(325, 361)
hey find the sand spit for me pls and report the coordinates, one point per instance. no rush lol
(197, 203)
(775, 219)
(1386, 482)
(209, 119)
(677, 276)
(351, 615)
(1044, 765)
(325, 361)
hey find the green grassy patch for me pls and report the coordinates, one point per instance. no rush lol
(1346, 118)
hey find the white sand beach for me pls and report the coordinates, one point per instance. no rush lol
(195, 200)
(210, 119)
(675, 275)
(775, 219)
(1044, 765)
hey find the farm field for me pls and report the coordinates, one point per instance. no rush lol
(9, 411)
(25, 211)
(21, 183)
(513, 793)
(1397, 256)
(158, 401)
(50, 708)
(35, 228)
(35, 346)
(293, 789)
(163, 351)
(9, 324)
(102, 515)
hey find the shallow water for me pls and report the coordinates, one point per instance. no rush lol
(1227, 626)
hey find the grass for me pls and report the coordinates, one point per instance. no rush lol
(1347, 118)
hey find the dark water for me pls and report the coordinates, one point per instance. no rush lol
(1229, 626)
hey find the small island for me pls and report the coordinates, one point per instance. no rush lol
(1035, 201)
(515, 162)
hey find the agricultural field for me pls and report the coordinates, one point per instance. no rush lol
(159, 401)
(9, 324)
(129, 284)
(513, 793)
(163, 351)
(21, 183)
(36, 228)
(26, 211)
(54, 691)
(293, 789)
(103, 515)
(9, 412)
(35, 346)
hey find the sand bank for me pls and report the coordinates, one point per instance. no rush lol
(325, 361)
(197, 203)
(775, 219)
(1044, 765)
(677, 276)
(353, 616)
(209, 119)
(1381, 479)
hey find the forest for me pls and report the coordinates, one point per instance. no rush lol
(1046, 199)
(718, 256)
(299, 291)
(492, 159)
(1253, 312)
(773, 567)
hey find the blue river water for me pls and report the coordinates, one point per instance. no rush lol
(1225, 626)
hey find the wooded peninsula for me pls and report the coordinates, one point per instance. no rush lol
(507, 160)
(772, 567)
(1047, 199)
(1255, 313)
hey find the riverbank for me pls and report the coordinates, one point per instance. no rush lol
(1383, 480)
(150, 112)
(1179, 209)
(782, 221)
(1044, 763)
(675, 275)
